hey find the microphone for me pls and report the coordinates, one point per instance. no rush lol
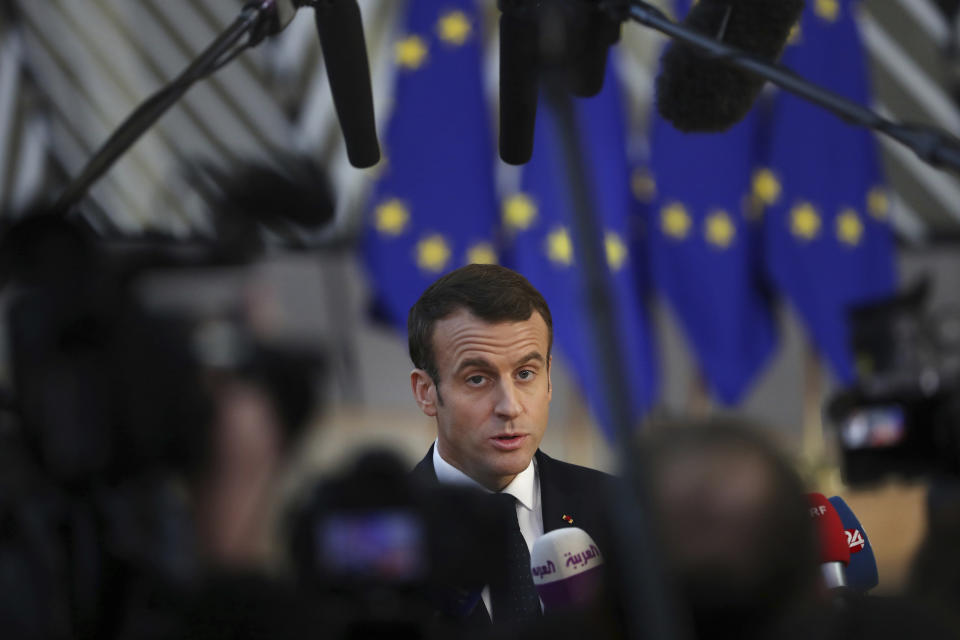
(565, 564)
(862, 571)
(519, 77)
(698, 94)
(345, 56)
(593, 31)
(834, 549)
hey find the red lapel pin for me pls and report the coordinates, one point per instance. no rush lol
(567, 519)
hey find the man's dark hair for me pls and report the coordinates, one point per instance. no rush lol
(490, 292)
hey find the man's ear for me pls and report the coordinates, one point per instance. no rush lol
(424, 391)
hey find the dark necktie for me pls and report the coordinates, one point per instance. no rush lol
(513, 596)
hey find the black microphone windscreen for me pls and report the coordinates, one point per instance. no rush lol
(345, 58)
(696, 93)
(519, 79)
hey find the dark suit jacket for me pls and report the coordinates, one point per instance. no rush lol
(570, 496)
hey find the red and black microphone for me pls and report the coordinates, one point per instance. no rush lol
(834, 548)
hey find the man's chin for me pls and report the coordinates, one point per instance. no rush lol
(510, 463)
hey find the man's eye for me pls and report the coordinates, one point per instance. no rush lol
(526, 374)
(475, 380)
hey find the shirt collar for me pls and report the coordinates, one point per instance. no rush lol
(523, 487)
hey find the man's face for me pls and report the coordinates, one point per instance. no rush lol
(493, 397)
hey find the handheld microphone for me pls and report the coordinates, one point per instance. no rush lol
(566, 567)
(695, 93)
(834, 549)
(862, 572)
(345, 56)
(519, 77)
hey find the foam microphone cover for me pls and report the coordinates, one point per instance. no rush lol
(345, 57)
(830, 532)
(566, 567)
(519, 77)
(698, 94)
(862, 572)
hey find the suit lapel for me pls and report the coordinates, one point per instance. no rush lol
(557, 505)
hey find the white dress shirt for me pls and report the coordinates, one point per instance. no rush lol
(525, 488)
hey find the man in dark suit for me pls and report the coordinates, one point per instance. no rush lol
(481, 339)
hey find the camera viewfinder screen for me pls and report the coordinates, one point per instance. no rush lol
(877, 427)
(379, 545)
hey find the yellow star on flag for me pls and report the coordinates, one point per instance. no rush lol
(878, 203)
(433, 253)
(481, 253)
(849, 227)
(766, 186)
(560, 247)
(391, 217)
(796, 35)
(675, 221)
(720, 230)
(410, 52)
(643, 185)
(616, 250)
(829, 10)
(454, 28)
(804, 221)
(519, 212)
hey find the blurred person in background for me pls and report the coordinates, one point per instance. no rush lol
(935, 571)
(262, 404)
(732, 519)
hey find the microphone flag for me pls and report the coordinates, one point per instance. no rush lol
(434, 205)
(828, 244)
(833, 541)
(704, 248)
(539, 244)
(862, 572)
(567, 569)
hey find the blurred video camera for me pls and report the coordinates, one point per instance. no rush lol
(389, 557)
(902, 416)
(105, 423)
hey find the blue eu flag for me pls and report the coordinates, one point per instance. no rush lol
(828, 243)
(536, 221)
(434, 208)
(704, 245)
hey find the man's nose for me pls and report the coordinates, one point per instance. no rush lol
(508, 401)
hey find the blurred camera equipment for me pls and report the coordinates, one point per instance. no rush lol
(386, 556)
(902, 415)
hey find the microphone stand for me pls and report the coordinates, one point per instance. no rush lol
(258, 19)
(931, 144)
(648, 606)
